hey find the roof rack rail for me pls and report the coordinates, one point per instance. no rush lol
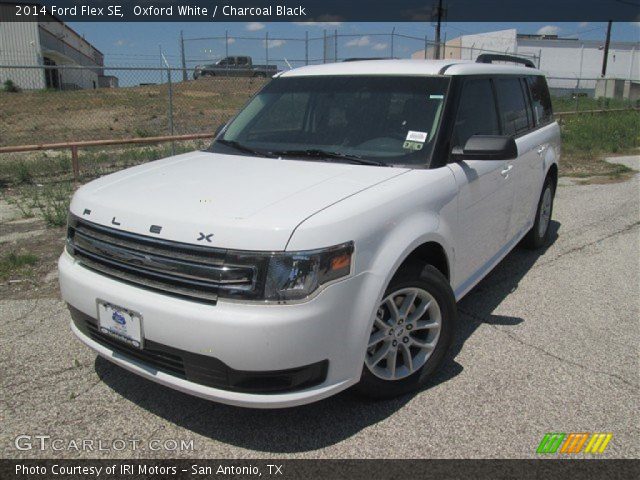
(361, 59)
(491, 57)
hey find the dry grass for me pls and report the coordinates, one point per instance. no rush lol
(55, 116)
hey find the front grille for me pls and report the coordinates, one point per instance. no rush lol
(170, 267)
(202, 369)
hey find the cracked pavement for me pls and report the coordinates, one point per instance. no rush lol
(548, 342)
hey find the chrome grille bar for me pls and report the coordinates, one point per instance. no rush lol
(171, 267)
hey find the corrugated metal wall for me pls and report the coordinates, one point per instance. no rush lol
(20, 45)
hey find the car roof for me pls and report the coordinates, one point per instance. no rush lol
(410, 67)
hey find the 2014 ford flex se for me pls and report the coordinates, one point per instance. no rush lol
(323, 239)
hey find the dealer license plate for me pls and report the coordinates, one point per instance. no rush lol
(120, 323)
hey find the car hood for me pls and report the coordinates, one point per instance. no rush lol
(247, 203)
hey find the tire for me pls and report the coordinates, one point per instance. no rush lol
(539, 234)
(428, 283)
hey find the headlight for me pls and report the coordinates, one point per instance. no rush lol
(296, 275)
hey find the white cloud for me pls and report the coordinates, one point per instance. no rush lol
(254, 26)
(359, 42)
(548, 30)
(230, 40)
(636, 24)
(380, 46)
(120, 43)
(275, 43)
(583, 24)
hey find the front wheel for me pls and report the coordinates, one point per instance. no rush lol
(411, 334)
(538, 236)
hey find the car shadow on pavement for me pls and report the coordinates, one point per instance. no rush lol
(477, 307)
(324, 423)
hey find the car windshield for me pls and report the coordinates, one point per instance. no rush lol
(380, 120)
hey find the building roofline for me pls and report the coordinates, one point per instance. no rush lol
(52, 16)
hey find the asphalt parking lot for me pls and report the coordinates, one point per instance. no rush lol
(547, 343)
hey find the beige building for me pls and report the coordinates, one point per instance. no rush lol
(51, 43)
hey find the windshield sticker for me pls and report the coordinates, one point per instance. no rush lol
(436, 97)
(409, 145)
(416, 136)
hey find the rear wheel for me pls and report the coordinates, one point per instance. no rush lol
(539, 234)
(411, 333)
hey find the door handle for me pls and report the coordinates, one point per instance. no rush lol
(505, 171)
(541, 149)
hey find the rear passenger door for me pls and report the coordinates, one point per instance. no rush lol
(517, 120)
(485, 187)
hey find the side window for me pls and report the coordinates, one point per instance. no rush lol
(541, 100)
(243, 61)
(513, 106)
(476, 112)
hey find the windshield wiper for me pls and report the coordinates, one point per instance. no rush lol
(243, 148)
(328, 156)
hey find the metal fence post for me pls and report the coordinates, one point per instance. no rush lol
(183, 59)
(393, 34)
(335, 45)
(226, 43)
(266, 48)
(324, 46)
(539, 58)
(426, 45)
(306, 48)
(75, 163)
(170, 86)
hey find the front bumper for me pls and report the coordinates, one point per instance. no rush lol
(248, 337)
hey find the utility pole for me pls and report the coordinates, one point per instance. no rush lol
(606, 49)
(184, 61)
(438, 25)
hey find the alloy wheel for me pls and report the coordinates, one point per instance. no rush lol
(545, 212)
(404, 335)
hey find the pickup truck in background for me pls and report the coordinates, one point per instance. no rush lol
(234, 67)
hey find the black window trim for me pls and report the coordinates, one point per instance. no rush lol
(551, 117)
(441, 154)
(528, 99)
(529, 128)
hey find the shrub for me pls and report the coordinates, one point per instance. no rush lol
(11, 87)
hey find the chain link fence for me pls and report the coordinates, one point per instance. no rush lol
(152, 102)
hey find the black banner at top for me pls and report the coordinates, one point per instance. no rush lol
(326, 11)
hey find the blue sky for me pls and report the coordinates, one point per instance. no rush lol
(139, 44)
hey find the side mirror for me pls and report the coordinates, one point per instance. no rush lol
(487, 147)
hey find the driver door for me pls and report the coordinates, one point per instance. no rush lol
(485, 187)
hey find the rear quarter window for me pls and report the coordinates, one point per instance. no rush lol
(540, 99)
(513, 106)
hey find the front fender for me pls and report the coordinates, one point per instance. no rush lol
(387, 223)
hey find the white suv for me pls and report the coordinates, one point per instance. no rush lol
(323, 239)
